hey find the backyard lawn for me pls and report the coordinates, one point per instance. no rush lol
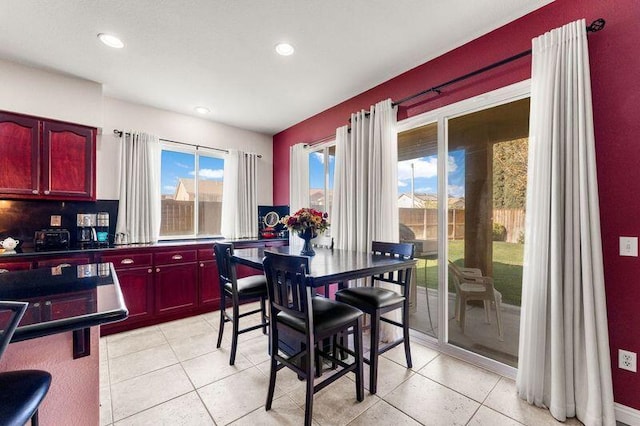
(507, 269)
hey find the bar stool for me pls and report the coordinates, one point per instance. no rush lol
(21, 392)
(375, 301)
(237, 290)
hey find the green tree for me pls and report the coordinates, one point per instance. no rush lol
(510, 174)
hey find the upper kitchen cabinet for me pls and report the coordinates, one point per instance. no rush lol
(45, 159)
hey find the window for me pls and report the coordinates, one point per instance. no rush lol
(191, 191)
(321, 170)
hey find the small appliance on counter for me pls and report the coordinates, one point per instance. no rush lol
(51, 240)
(87, 234)
(102, 228)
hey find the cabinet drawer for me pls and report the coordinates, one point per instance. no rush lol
(63, 261)
(14, 266)
(177, 256)
(206, 254)
(131, 260)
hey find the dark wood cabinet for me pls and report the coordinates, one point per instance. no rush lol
(58, 261)
(209, 284)
(19, 155)
(68, 161)
(176, 276)
(14, 266)
(45, 159)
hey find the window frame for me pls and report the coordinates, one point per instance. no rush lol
(197, 151)
(323, 147)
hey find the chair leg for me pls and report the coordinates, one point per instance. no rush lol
(263, 312)
(234, 336)
(405, 334)
(34, 419)
(221, 328)
(487, 308)
(310, 367)
(463, 311)
(373, 354)
(457, 308)
(498, 302)
(357, 347)
(274, 369)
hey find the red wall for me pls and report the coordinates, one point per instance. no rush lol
(615, 75)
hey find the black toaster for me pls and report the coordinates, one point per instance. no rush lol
(51, 240)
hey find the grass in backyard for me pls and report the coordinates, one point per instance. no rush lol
(507, 269)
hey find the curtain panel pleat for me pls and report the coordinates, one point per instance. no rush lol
(240, 195)
(564, 361)
(139, 202)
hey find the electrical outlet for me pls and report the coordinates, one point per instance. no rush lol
(627, 360)
(56, 220)
(629, 246)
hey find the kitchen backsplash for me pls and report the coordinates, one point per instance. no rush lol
(20, 219)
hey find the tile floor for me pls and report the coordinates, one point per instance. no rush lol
(172, 374)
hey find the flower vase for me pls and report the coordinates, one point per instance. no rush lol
(307, 235)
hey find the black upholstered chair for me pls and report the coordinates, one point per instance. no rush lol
(21, 392)
(237, 290)
(375, 301)
(309, 320)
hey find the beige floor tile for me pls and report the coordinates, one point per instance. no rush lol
(141, 362)
(283, 412)
(336, 404)
(420, 355)
(487, 416)
(186, 327)
(134, 341)
(106, 416)
(431, 403)
(142, 392)
(457, 375)
(286, 380)
(235, 396)
(213, 366)
(255, 350)
(504, 398)
(390, 376)
(193, 346)
(104, 371)
(383, 414)
(186, 410)
(213, 318)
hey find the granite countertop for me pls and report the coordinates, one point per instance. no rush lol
(30, 251)
(64, 298)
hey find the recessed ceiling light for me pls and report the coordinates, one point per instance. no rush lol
(202, 110)
(284, 49)
(111, 40)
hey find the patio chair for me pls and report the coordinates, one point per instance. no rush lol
(470, 284)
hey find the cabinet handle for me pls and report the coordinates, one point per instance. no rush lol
(201, 265)
(34, 192)
(47, 192)
(36, 305)
(176, 257)
(47, 303)
(64, 265)
(126, 261)
(149, 270)
(157, 269)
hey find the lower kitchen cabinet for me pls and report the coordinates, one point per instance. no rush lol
(14, 266)
(209, 284)
(176, 287)
(137, 289)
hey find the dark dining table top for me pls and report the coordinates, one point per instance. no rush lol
(330, 265)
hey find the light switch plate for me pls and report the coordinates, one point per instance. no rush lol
(629, 246)
(56, 220)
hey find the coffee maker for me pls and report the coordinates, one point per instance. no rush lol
(87, 236)
(102, 229)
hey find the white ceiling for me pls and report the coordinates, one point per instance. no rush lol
(220, 53)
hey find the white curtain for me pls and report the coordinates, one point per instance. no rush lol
(365, 199)
(298, 177)
(564, 361)
(240, 196)
(139, 204)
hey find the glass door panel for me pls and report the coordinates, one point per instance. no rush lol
(487, 170)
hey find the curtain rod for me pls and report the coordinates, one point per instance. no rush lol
(120, 133)
(595, 26)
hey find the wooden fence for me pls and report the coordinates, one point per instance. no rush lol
(424, 222)
(177, 217)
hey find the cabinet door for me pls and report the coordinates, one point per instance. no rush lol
(209, 284)
(77, 304)
(69, 161)
(19, 156)
(176, 287)
(137, 289)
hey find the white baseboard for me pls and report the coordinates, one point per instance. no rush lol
(627, 415)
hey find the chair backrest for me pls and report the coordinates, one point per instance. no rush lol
(288, 286)
(226, 267)
(10, 315)
(400, 277)
(456, 275)
(470, 276)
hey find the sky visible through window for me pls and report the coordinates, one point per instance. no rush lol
(425, 178)
(176, 165)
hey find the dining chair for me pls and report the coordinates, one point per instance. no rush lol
(294, 311)
(470, 284)
(21, 392)
(237, 290)
(376, 300)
